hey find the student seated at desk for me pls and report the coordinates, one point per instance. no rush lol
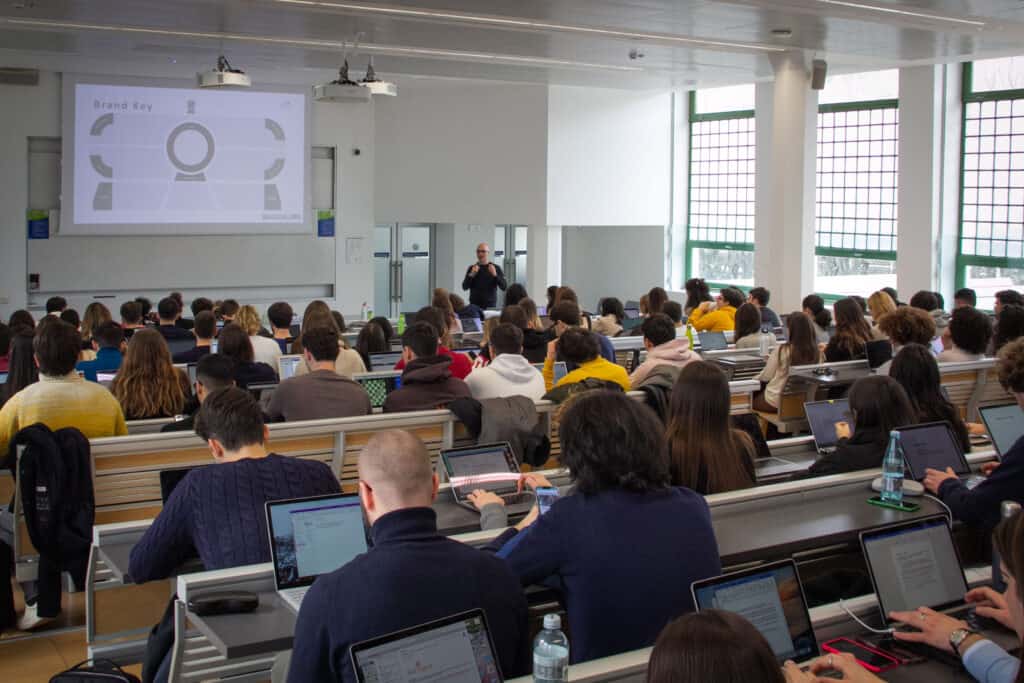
(749, 324)
(581, 350)
(459, 363)
(917, 371)
(22, 370)
(706, 453)
(852, 333)
(878, 404)
(814, 308)
(319, 314)
(234, 343)
(509, 373)
(664, 350)
(1009, 326)
(265, 349)
(1005, 480)
(759, 296)
(464, 310)
(322, 392)
(280, 315)
(427, 381)
(213, 372)
(148, 385)
(967, 336)
(410, 575)
(107, 340)
(217, 510)
(371, 339)
(181, 322)
(983, 659)
(610, 321)
(880, 304)
(906, 325)
(565, 315)
(674, 311)
(204, 327)
(801, 348)
(626, 545)
(131, 318)
(697, 292)
(169, 312)
(719, 316)
(535, 341)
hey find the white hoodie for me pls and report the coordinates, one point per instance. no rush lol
(507, 375)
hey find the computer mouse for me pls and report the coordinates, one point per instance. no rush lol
(910, 487)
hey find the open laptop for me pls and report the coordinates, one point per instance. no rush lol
(631, 313)
(455, 648)
(772, 598)
(471, 325)
(879, 352)
(915, 564)
(491, 467)
(822, 417)
(378, 385)
(169, 480)
(560, 370)
(933, 445)
(177, 346)
(310, 537)
(384, 360)
(288, 365)
(1005, 424)
(712, 341)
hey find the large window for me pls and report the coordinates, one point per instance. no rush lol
(856, 197)
(720, 234)
(990, 256)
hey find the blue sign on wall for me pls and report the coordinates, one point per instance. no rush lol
(325, 224)
(38, 225)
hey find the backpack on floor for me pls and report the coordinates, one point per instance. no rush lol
(101, 671)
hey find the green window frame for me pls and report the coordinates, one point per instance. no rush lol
(991, 184)
(857, 182)
(721, 181)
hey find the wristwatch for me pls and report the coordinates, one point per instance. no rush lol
(957, 638)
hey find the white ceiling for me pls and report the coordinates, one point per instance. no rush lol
(585, 42)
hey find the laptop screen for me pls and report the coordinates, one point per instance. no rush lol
(1005, 424)
(105, 377)
(287, 366)
(560, 370)
(712, 341)
(632, 313)
(457, 648)
(385, 360)
(823, 416)
(914, 565)
(772, 599)
(379, 386)
(169, 479)
(313, 536)
(931, 446)
(471, 325)
(491, 467)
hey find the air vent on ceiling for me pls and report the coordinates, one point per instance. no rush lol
(13, 76)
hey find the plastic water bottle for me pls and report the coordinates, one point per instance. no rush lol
(1008, 509)
(401, 324)
(892, 470)
(689, 334)
(551, 652)
(362, 312)
(764, 344)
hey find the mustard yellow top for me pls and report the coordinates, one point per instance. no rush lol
(720, 320)
(599, 368)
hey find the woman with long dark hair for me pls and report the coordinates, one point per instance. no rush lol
(21, 367)
(1009, 326)
(801, 348)
(697, 292)
(917, 371)
(706, 453)
(656, 298)
(370, 340)
(233, 343)
(147, 385)
(852, 333)
(747, 334)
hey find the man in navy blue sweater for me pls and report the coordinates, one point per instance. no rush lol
(1005, 480)
(410, 575)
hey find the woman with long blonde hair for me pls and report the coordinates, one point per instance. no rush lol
(880, 304)
(148, 385)
(265, 349)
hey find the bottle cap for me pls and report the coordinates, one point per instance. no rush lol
(552, 622)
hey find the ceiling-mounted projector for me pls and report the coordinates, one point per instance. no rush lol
(343, 89)
(223, 76)
(377, 86)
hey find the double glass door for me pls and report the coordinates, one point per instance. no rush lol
(510, 251)
(402, 267)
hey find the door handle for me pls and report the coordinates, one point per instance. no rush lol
(401, 280)
(394, 282)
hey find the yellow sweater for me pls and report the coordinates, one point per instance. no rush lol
(719, 320)
(60, 402)
(599, 368)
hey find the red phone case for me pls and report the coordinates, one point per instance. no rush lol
(827, 647)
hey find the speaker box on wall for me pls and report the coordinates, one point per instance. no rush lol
(819, 68)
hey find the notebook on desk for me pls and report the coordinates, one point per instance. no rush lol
(310, 537)
(455, 648)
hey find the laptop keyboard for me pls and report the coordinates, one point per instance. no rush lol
(975, 621)
(517, 498)
(294, 597)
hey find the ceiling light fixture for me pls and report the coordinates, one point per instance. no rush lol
(343, 89)
(332, 45)
(223, 76)
(377, 86)
(905, 12)
(517, 23)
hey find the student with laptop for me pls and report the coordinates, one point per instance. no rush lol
(427, 381)
(535, 341)
(800, 348)
(107, 340)
(322, 393)
(581, 351)
(720, 316)
(565, 315)
(213, 372)
(265, 349)
(967, 336)
(459, 363)
(168, 310)
(980, 506)
(509, 373)
(626, 545)
(411, 574)
(878, 404)
(319, 314)
(759, 296)
(234, 343)
(204, 328)
(663, 349)
(917, 371)
(147, 384)
(280, 315)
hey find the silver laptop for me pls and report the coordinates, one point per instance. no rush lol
(1005, 424)
(288, 365)
(490, 467)
(310, 537)
(384, 360)
(379, 385)
(712, 341)
(822, 417)
(560, 370)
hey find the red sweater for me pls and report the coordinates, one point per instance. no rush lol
(461, 364)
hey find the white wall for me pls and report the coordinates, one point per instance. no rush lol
(461, 152)
(609, 157)
(210, 265)
(619, 261)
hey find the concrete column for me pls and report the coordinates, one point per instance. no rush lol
(676, 234)
(544, 263)
(786, 117)
(929, 163)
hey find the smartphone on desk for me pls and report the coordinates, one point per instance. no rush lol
(871, 659)
(546, 497)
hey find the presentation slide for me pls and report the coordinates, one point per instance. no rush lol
(173, 160)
